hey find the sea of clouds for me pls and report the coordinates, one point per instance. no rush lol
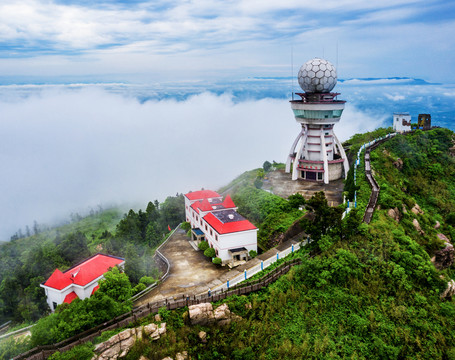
(70, 148)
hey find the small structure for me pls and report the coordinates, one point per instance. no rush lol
(80, 281)
(317, 154)
(401, 122)
(216, 221)
(424, 121)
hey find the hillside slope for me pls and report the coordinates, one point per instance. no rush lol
(371, 292)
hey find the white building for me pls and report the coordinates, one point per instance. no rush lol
(216, 221)
(401, 122)
(80, 281)
(317, 154)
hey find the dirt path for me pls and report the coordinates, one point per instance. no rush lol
(190, 272)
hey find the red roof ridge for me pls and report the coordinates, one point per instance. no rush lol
(202, 194)
(88, 271)
(229, 227)
(196, 205)
(228, 202)
(205, 205)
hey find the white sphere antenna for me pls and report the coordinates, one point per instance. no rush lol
(317, 76)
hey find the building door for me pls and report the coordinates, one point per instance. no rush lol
(310, 175)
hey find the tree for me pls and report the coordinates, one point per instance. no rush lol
(296, 200)
(116, 285)
(267, 166)
(210, 252)
(203, 245)
(73, 248)
(325, 218)
(134, 267)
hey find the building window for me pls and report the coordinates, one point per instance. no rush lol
(211, 233)
(206, 228)
(54, 305)
(197, 218)
(201, 221)
(216, 237)
(216, 251)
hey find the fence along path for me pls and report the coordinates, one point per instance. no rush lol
(42, 352)
(370, 178)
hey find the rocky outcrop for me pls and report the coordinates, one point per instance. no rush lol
(444, 258)
(398, 164)
(179, 356)
(394, 214)
(417, 210)
(416, 224)
(203, 336)
(203, 314)
(119, 345)
(449, 291)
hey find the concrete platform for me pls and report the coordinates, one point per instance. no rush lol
(280, 183)
(190, 272)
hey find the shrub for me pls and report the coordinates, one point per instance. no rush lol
(203, 245)
(253, 254)
(138, 288)
(216, 261)
(80, 352)
(258, 183)
(267, 166)
(147, 280)
(210, 252)
(186, 226)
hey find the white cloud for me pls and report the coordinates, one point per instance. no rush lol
(395, 97)
(65, 150)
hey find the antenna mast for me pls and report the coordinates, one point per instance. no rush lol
(292, 71)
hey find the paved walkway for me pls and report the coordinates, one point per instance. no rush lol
(190, 272)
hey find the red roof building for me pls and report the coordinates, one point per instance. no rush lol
(216, 221)
(202, 194)
(80, 281)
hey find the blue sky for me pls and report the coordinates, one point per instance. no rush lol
(150, 41)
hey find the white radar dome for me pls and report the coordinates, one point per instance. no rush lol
(317, 75)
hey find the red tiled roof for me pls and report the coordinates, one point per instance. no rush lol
(228, 203)
(205, 205)
(195, 206)
(58, 280)
(70, 297)
(202, 194)
(84, 273)
(94, 289)
(229, 227)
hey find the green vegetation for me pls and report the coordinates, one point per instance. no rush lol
(111, 299)
(210, 253)
(203, 245)
(28, 261)
(270, 213)
(367, 291)
(81, 352)
(370, 293)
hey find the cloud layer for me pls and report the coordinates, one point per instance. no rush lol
(66, 150)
